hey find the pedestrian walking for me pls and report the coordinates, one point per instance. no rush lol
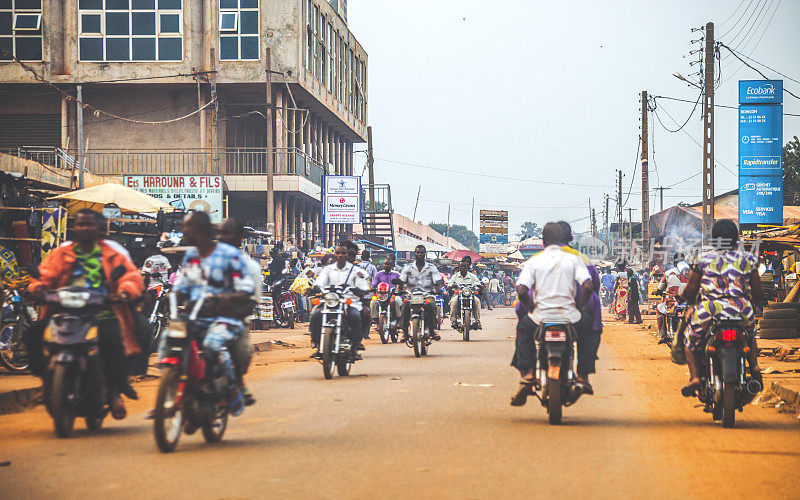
(634, 297)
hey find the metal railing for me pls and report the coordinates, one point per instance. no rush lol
(52, 156)
(382, 195)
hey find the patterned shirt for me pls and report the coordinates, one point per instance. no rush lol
(424, 279)
(726, 273)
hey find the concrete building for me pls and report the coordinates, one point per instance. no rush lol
(157, 60)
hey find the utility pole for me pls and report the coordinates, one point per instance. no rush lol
(645, 180)
(708, 136)
(661, 196)
(81, 152)
(272, 223)
(630, 229)
(447, 235)
(605, 214)
(594, 225)
(414, 218)
(214, 116)
(619, 206)
(370, 164)
(472, 215)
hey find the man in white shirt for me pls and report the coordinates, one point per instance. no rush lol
(340, 273)
(460, 278)
(552, 276)
(421, 275)
(494, 290)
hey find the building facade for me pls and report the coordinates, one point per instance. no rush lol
(141, 63)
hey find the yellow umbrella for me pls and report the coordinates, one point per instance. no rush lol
(129, 200)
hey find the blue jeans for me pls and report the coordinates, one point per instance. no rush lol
(218, 337)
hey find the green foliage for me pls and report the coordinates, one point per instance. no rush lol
(530, 230)
(459, 233)
(791, 172)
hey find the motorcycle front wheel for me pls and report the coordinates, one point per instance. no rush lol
(416, 337)
(327, 352)
(213, 432)
(383, 329)
(63, 397)
(467, 321)
(168, 415)
(12, 347)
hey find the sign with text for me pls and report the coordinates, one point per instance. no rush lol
(493, 233)
(341, 199)
(184, 192)
(760, 152)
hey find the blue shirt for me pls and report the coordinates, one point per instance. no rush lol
(223, 271)
(607, 280)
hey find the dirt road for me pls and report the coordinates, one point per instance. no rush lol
(424, 428)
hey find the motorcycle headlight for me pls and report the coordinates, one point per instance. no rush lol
(417, 299)
(73, 300)
(331, 300)
(177, 330)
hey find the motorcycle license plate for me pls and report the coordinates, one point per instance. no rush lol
(555, 336)
(288, 304)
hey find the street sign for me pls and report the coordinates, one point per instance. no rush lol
(493, 233)
(341, 199)
(184, 192)
(760, 152)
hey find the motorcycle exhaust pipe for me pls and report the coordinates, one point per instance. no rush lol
(753, 386)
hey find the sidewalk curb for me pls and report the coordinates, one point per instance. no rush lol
(790, 397)
(19, 400)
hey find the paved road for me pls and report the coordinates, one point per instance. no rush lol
(403, 427)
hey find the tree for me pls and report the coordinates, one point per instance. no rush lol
(530, 230)
(459, 233)
(791, 172)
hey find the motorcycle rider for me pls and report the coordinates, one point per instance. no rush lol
(218, 269)
(386, 276)
(231, 231)
(460, 278)
(352, 255)
(725, 281)
(671, 285)
(89, 262)
(421, 275)
(342, 272)
(547, 288)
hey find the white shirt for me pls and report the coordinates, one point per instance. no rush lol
(254, 273)
(494, 285)
(554, 275)
(350, 275)
(157, 264)
(417, 279)
(470, 279)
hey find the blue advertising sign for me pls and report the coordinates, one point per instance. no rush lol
(494, 238)
(760, 200)
(760, 139)
(760, 91)
(760, 152)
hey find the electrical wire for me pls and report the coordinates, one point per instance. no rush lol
(757, 70)
(737, 21)
(758, 42)
(635, 165)
(696, 102)
(715, 104)
(732, 14)
(771, 69)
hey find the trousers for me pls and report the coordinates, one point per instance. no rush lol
(352, 317)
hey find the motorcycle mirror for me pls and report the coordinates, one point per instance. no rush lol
(117, 273)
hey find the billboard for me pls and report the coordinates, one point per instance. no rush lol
(341, 199)
(760, 152)
(493, 233)
(185, 192)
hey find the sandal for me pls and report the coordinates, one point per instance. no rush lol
(690, 390)
(118, 410)
(521, 397)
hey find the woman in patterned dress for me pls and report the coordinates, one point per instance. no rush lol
(723, 282)
(621, 291)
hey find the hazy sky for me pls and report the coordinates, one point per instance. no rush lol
(549, 91)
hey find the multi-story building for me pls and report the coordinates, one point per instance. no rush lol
(149, 61)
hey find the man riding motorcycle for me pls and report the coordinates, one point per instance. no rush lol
(342, 272)
(460, 278)
(88, 262)
(217, 269)
(385, 277)
(671, 285)
(421, 275)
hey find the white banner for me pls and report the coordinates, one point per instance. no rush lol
(186, 192)
(341, 199)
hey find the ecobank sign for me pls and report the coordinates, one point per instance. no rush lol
(761, 152)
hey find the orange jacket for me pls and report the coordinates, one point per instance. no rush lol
(57, 268)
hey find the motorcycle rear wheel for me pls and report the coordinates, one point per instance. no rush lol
(213, 432)
(62, 399)
(553, 401)
(728, 406)
(343, 367)
(327, 352)
(467, 325)
(10, 335)
(383, 330)
(416, 337)
(168, 415)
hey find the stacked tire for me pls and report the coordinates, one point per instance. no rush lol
(780, 321)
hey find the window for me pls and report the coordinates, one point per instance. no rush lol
(21, 30)
(130, 30)
(238, 30)
(309, 53)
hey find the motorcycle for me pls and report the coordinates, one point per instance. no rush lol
(725, 381)
(159, 317)
(555, 375)
(606, 296)
(466, 321)
(439, 310)
(16, 316)
(420, 338)
(283, 304)
(334, 344)
(74, 383)
(670, 319)
(193, 388)
(387, 320)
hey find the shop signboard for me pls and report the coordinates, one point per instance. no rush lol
(341, 199)
(493, 233)
(184, 192)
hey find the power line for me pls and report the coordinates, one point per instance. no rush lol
(715, 104)
(756, 69)
(720, 25)
(771, 69)
(696, 102)
(635, 165)
(758, 42)
(737, 21)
